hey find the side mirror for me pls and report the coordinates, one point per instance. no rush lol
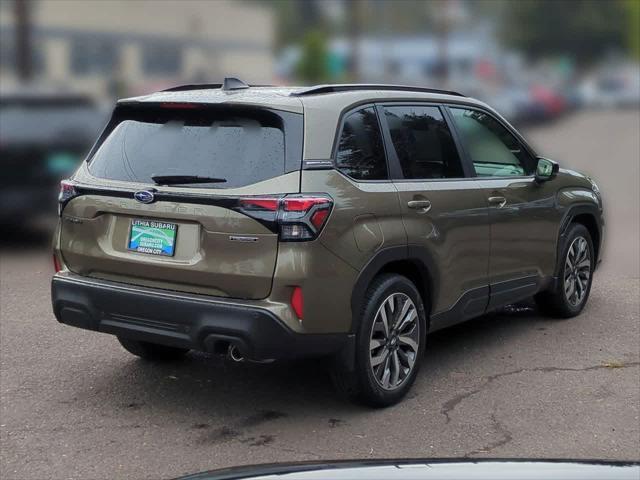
(546, 169)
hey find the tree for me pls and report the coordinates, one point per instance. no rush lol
(633, 12)
(313, 66)
(582, 29)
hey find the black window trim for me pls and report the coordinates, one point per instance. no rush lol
(336, 142)
(444, 106)
(396, 170)
(463, 151)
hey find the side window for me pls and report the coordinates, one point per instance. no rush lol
(423, 142)
(360, 150)
(495, 152)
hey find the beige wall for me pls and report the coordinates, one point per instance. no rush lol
(210, 19)
(218, 38)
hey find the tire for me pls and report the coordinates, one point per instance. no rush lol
(386, 361)
(564, 301)
(152, 351)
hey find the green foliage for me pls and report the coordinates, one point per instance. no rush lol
(633, 12)
(313, 66)
(582, 29)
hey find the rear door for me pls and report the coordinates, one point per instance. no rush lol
(214, 237)
(444, 212)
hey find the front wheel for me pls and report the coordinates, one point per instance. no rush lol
(389, 343)
(571, 291)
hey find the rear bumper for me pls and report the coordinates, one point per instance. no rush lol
(183, 320)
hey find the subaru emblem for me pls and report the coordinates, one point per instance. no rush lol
(144, 196)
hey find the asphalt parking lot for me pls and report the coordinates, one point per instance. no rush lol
(74, 404)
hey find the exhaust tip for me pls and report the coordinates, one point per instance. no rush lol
(235, 354)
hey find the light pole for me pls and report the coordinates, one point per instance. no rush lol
(22, 10)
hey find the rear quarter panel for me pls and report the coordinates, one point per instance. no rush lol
(365, 219)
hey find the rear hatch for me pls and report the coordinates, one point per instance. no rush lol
(120, 224)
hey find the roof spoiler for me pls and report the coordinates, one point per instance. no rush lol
(229, 84)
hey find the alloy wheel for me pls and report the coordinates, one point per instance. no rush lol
(577, 271)
(394, 341)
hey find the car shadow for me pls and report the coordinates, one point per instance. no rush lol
(206, 388)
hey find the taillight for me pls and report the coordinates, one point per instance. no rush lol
(260, 204)
(67, 192)
(302, 217)
(303, 204)
(294, 217)
(319, 217)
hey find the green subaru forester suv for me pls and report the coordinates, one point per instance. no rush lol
(343, 221)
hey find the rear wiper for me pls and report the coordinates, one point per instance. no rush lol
(184, 179)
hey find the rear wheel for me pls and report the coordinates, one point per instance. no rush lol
(152, 351)
(570, 294)
(389, 343)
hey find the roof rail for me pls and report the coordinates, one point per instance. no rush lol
(318, 89)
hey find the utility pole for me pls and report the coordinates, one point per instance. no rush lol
(443, 28)
(22, 10)
(387, 16)
(355, 38)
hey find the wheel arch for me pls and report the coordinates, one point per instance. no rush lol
(587, 215)
(591, 224)
(412, 262)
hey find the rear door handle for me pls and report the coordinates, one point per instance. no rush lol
(422, 206)
(499, 201)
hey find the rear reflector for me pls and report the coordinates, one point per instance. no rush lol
(56, 264)
(297, 302)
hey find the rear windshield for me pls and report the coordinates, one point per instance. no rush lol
(241, 145)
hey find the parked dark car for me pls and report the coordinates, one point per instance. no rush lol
(43, 136)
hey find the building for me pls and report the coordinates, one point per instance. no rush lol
(119, 47)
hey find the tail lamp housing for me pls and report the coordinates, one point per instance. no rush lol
(297, 218)
(67, 192)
